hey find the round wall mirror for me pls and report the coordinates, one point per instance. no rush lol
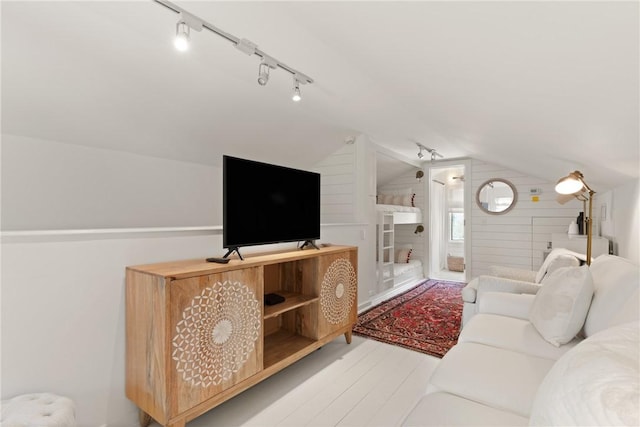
(496, 196)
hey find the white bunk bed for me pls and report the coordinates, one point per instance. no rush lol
(391, 273)
(401, 214)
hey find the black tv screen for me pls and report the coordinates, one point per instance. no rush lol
(265, 203)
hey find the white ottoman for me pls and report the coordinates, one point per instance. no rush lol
(38, 410)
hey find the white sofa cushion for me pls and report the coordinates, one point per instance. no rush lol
(630, 311)
(561, 305)
(512, 334)
(615, 280)
(596, 383)
(502, 379)
(444, 409)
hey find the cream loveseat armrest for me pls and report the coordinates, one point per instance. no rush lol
(557, 258)
(513, 273)
(500, 284)
(475, 288)
(506, 304)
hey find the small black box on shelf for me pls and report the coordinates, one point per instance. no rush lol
(273, 299)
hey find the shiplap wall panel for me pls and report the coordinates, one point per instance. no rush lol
(520, 237)
(337, 186)
(479, 245)
(518, 252)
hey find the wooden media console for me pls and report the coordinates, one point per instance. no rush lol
(199, 333)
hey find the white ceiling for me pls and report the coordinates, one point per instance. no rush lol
(541, 87)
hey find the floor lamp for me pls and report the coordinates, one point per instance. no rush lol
(573, 184)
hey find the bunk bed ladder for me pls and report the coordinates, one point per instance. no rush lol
(386, 251)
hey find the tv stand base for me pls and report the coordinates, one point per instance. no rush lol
(232, 250)
(309, 243)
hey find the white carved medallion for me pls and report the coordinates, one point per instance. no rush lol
(217, 333)
(338, 291)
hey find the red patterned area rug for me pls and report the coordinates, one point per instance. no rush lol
(426, 318)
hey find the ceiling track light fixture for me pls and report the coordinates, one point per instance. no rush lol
(431, 151)
(266, 65)
(263, 74)
(183, 36)
(296, 97)
(185, 23)
(188, 22)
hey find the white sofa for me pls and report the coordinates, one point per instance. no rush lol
(515, 280)
(504, 372)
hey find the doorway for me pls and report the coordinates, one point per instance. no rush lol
(448, 190)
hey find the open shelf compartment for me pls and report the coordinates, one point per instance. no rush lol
(289, 326)
(292, 300)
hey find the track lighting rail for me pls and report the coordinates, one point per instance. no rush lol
(431, 151)
(242, 44)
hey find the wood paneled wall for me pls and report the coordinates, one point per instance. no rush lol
(518, 238)
(338, 186)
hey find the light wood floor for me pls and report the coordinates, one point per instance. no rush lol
(366, 383)
(448, 275)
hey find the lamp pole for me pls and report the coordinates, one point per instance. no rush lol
(574, 184)
(589, 223)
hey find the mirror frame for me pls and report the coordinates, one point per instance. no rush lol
(513, 190)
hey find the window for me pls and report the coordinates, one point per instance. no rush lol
(456, 226)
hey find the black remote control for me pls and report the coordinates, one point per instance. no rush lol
(219, 260)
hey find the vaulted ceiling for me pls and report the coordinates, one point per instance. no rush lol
(541, 87)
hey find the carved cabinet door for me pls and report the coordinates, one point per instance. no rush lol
(338, 281)
(215, 327)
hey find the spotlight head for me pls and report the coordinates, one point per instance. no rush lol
(181, 42)
(296, 91)
(420, 155)
(263, 74)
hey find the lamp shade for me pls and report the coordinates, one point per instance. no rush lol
(570, 184)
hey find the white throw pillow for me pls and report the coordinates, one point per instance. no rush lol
(399, 197)
(595, 383)
(403, 256)
(561, 305)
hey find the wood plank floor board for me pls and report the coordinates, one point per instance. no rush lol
(361, 384)
(286, 411)
(334, 388)
(272, 400)
(395, 375)
(406, 396)
(361, 394)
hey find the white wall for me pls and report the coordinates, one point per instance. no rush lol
(619, 210)
(348, 195)
(51, 185)
(338, 185)
(519, 237)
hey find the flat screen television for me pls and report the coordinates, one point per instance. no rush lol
(265, 203)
